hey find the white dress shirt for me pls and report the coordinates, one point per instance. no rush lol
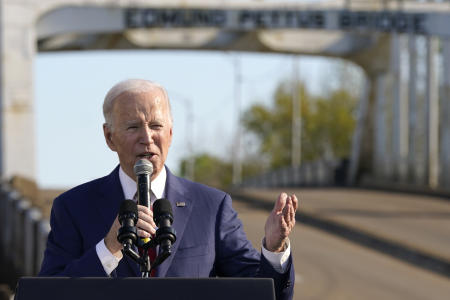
(110, 262)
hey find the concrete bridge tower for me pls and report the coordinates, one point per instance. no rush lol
(376, 35)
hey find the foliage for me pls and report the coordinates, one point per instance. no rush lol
(209, 170)
(327, 125)
(217, 172)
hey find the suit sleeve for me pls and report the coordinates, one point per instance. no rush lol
(236, 256)
(64, 255)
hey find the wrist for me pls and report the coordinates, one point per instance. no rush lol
(275, 247)
(114, 247)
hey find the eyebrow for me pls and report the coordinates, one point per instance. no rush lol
(135, 122)
(132, 122)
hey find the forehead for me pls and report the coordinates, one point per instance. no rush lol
(153, 101)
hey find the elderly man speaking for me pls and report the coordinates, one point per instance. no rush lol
(210, 239)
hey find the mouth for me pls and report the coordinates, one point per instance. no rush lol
(146, 155)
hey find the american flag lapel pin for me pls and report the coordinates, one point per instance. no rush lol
(180, 204)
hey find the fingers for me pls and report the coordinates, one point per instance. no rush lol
(290, 217)
(280, 203)
(283, 200)
(294, 201)
(288, 214)
(291, 202)
(292, 214)
(284, 226)
(146, 226)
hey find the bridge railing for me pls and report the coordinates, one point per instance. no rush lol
(23, 233)
(317, 173)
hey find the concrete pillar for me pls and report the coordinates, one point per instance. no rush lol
(273, 178)
(380, 130)
(301, 181)
(285, 176)
(296, 149)
(32, 217)
(445, 122)
(359, 131)
(4, 227)
(11, 198)
(16, 90)
(18, 230)
(297, 176)
(432, 114)
(308, 174)
(237, 162)
(413, 110)
(321, 173)
(43, 229)
(400, 111)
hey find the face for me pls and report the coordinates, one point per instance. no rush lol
(141, 128)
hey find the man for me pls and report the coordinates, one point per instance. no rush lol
(210, 238)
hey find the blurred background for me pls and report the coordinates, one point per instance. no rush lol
(344, 103)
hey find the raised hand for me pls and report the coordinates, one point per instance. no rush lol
(280, 222)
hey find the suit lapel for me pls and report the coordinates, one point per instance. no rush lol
(111, 195)
(176, 192)
(108, 204)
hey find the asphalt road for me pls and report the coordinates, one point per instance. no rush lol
(415, 221)
(329, 267)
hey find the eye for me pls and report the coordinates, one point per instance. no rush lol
(132, 127)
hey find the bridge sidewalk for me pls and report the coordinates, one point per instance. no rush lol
(413, 227)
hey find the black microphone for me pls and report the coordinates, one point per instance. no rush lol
(143, 170)
(163, 217)
(128, 217)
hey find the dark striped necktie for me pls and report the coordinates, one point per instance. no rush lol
(151, 251)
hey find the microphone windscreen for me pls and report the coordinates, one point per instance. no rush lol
(162, 206)
(128, 206)
(143, 166)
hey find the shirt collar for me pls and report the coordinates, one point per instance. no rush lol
(129, 185)
(159, 184)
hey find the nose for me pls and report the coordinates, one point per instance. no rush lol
(146, 137)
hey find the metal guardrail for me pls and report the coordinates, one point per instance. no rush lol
(23, 232)
(317, 173)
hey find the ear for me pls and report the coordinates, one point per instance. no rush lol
(108, 137)
(170, 136)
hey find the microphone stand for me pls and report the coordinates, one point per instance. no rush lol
(144, 260)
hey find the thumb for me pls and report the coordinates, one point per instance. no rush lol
(281, 202)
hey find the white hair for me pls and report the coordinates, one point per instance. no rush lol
(130, 86)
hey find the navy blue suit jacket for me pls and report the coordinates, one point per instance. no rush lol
(210, 238)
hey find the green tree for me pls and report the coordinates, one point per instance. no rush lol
(209, 170)
(327, 125)
(216, 172)
(272, 125)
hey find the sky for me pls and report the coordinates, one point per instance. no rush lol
(70, 88)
